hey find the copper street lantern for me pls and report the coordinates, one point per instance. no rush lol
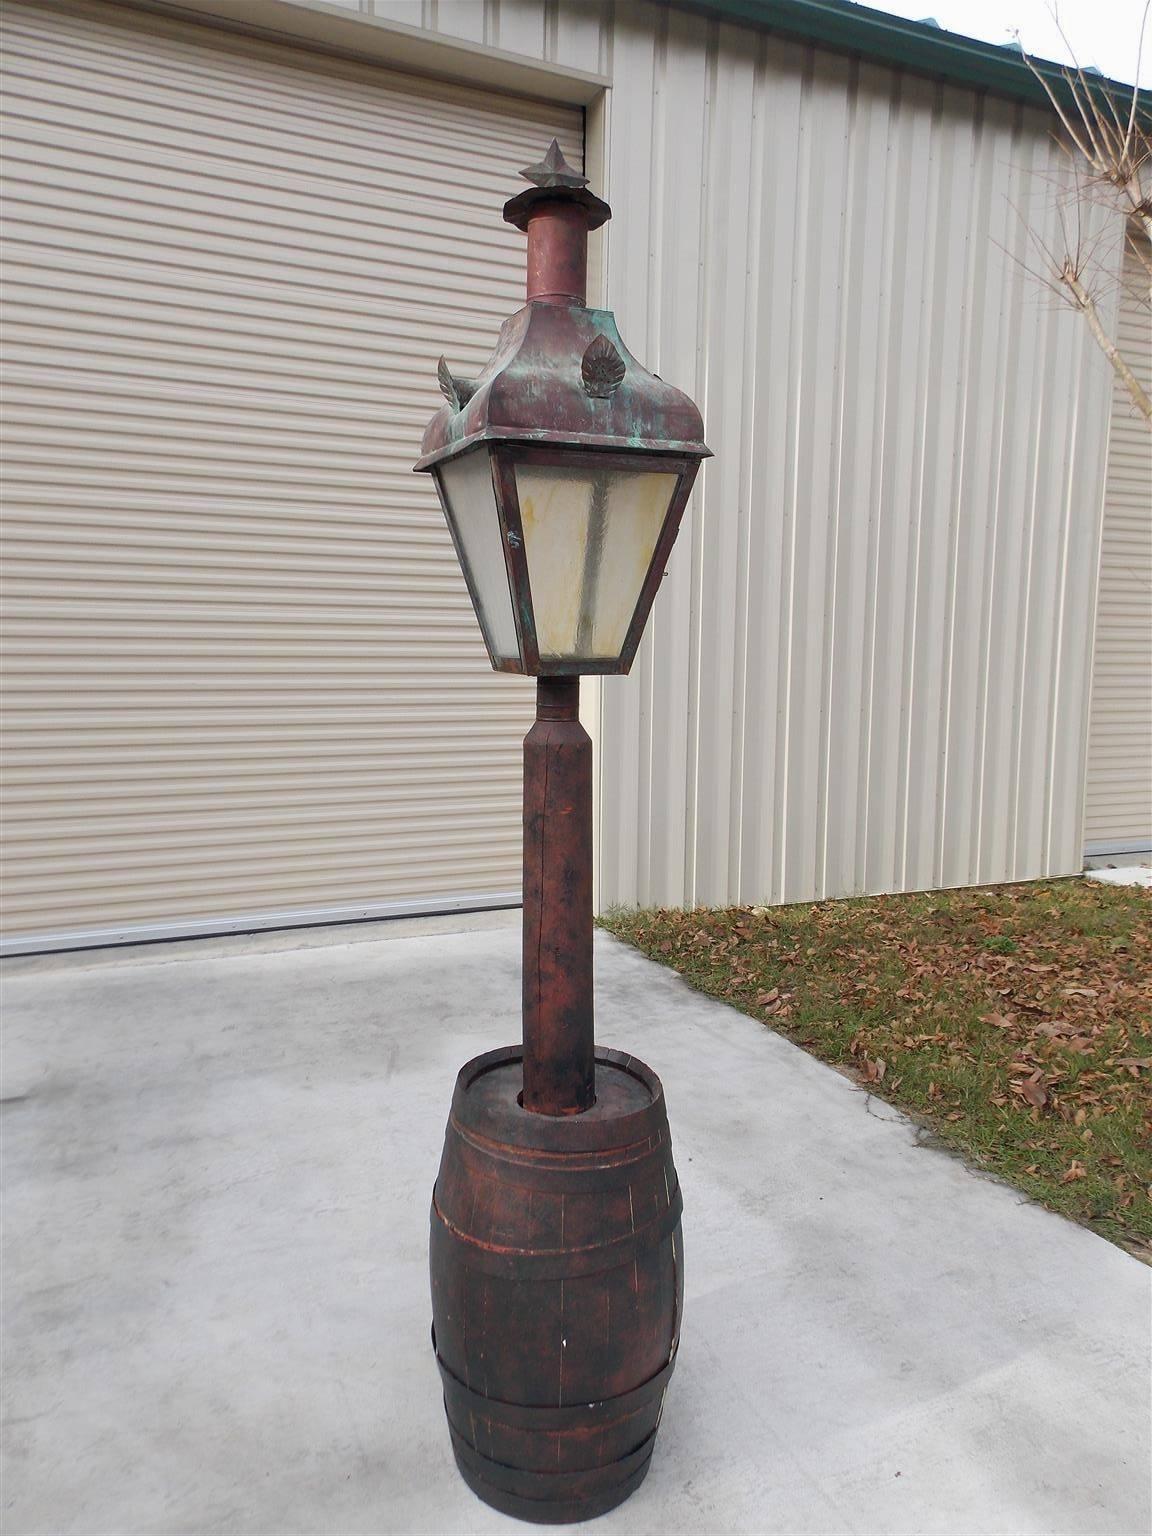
(556, 1254)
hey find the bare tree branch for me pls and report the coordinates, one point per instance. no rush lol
(1108, 145)
(1087, 307)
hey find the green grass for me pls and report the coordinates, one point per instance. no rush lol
(1015, 1021)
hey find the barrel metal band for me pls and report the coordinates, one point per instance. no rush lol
(546, 1486)
(561, 1263)
(576, 1416)
(568, 1171)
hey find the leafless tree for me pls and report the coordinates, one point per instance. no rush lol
(1107, 139)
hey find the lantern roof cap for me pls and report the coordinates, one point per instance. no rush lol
(562, 376)
(555, 181)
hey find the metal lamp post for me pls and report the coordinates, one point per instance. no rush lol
(556, 1256)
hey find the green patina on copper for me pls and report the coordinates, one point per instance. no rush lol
(562, 390)
(533, 390)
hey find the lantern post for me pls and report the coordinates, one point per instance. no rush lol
(556, 1252)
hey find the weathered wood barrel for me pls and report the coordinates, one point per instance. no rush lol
(557, 1287)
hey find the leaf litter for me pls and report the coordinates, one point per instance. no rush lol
(1030, 1055)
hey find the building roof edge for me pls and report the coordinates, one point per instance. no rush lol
(921, 46)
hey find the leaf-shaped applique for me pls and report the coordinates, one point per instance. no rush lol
(602, 368)
(456, 391)
(447, 383)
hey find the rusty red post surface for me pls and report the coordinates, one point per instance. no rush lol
(559, 1045)
(558, 1016)
(557, 254)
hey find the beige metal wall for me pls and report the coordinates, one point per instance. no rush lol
(870, 668)
(869, 665)
(243, 678)
(1118, 814)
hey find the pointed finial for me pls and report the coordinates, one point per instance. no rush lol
(553, 170)
(554, 181)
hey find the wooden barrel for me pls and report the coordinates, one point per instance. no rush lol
(557, 1287)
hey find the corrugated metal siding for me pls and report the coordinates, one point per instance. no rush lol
(869, 664)
(868, 668)
(243, 674)
(1118, 811)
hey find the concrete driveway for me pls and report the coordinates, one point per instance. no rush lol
(218, 1159)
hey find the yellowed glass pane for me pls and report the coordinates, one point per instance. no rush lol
(466, 486)
(589, 540)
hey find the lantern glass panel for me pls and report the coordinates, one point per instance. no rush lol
(469, 501)
(589, 539)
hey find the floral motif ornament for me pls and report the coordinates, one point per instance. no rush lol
(601, 369)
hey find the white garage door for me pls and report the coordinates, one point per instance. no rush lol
(1118, 810)
(244, 683)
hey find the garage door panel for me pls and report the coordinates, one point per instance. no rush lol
(243, 678)
(121, 52)
(334, 891)
(42, 174)
(142, 285)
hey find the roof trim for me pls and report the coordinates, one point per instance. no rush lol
(915, 45)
